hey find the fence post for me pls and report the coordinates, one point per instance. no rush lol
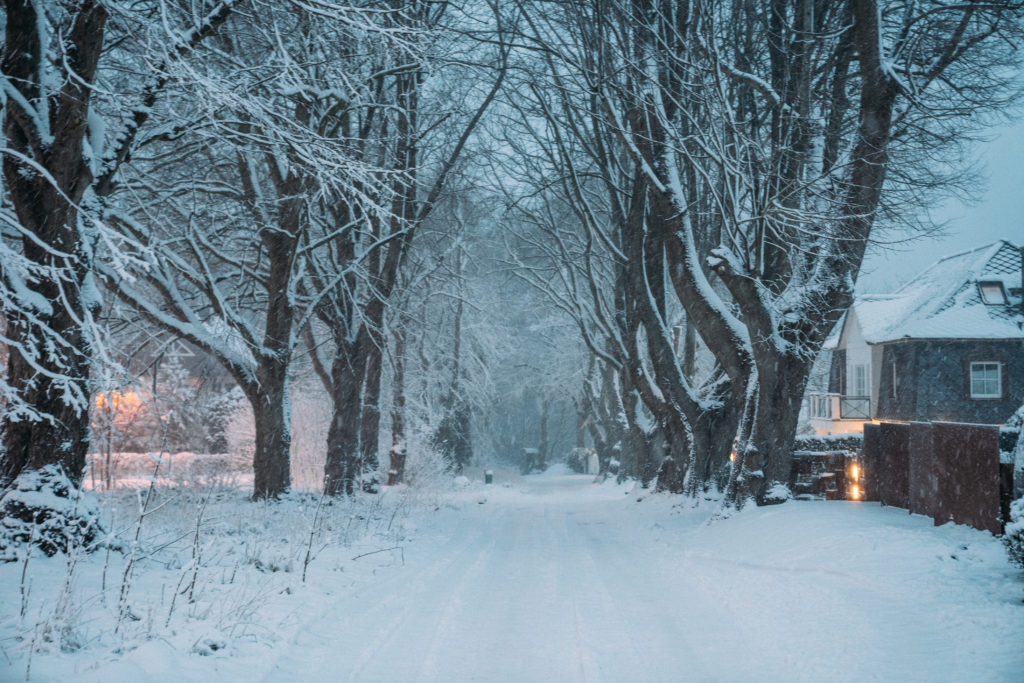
(872, 460)
(967, 459)
(923, 484)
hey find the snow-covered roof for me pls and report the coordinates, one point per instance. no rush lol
(944, 301)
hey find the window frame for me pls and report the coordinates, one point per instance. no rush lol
(894, 396)
(982, 284)
(999, 379)
(860, 380)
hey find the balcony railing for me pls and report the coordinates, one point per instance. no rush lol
(821, 406)
(854, 407)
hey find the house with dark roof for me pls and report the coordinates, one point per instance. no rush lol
(946, 346)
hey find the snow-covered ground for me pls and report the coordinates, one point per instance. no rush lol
(540, 578)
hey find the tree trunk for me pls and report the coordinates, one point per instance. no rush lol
(60, 435)
(396, 469)
(272, 462)
(544, 446)
(369, 427)
(452, 437)
(607, 430)
(271, 467)
(49, 357)
(765, 461)
(342, 466)
(690, 350)
(45, 422)
(582, 420)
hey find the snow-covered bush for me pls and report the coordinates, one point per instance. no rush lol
(1014, 536)
(176, 414)
(1014, 532)
(43, 507)
(777, 493)
(1011, 447)
(134, 470)
(577, 459)
(831, 442)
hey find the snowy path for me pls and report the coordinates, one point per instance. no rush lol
(561, 581)
(522, 586)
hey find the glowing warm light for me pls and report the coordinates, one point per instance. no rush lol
(855, 473)
(118, 401)
(732, 456)
(855, 492)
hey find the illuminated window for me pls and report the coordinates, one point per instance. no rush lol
(986, 380)
(992, 293)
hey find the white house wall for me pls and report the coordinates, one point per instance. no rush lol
(858, 352)
(876, 376)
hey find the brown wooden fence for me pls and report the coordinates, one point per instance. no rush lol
(947, 471)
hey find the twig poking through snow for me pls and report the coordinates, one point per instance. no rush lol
(384, 550)
(312, 533)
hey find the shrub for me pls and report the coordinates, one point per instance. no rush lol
(834, 442)
(1014, 537)
(577, 459)
(44, 508)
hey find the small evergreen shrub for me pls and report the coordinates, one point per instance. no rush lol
(44, 508)
(1014, 536)
(835, 442)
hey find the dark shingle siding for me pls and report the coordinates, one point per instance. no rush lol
(933, 379)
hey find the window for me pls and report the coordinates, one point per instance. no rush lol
(894, 379)
(992, 293)
(825, 407)
(860, 380)
(821, 406)
(986, 380)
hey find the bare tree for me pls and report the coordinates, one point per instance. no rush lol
(256, 181)
(61, 158)
(425, 139)
(760, 141)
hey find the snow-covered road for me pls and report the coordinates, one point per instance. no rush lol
(546, 578)
(523, 587)
(563, 580)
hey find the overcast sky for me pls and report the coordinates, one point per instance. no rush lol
(997, 214)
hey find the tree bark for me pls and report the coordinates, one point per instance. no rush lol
(369, 428)
(399, 452)
(49, 358)
(341, 468)
(269, 400)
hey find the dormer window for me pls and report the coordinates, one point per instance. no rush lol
(992, 293)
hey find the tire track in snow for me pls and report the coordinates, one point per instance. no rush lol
(316, 649)
(530, 591)
(415, 599)
(657, 646)
(453, 604)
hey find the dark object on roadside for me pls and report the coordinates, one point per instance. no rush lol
(532, 461)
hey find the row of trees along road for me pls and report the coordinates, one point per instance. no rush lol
(242, 174)
(714, 171)
(693, 184)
